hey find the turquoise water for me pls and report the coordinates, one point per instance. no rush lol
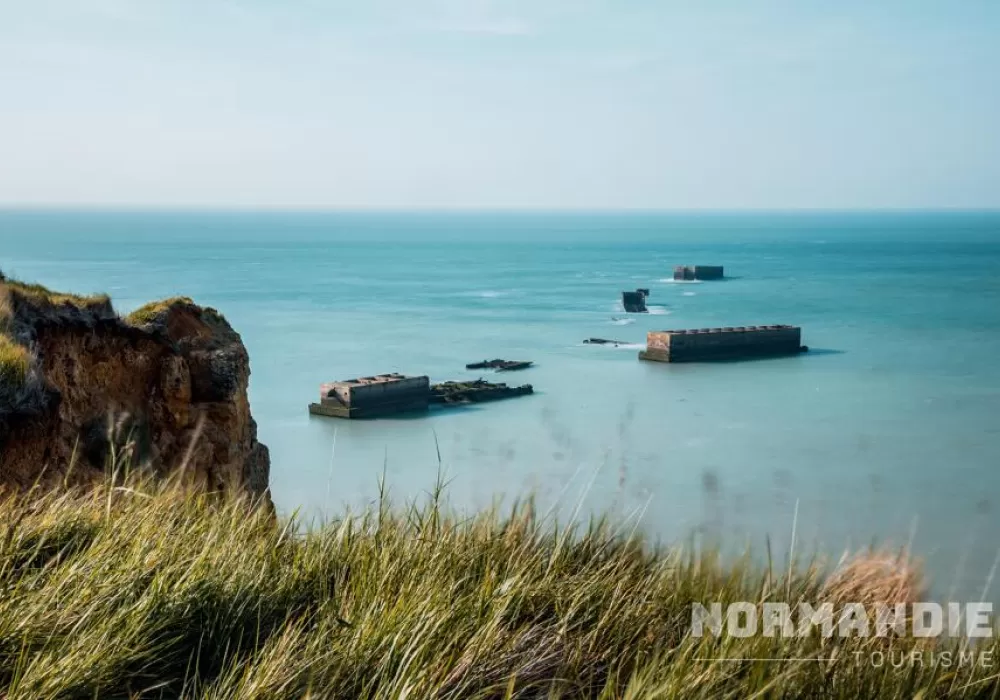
(888, 431)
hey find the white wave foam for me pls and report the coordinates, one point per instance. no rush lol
(671, 280)
(688, 294)
(622, 321)
(658, 311)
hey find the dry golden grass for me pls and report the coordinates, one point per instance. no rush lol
(877, 576)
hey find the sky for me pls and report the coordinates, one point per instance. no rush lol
(548, 104)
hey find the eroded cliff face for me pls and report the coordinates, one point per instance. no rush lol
(165, 387)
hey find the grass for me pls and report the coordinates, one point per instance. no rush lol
(40, 295)
(150, 590)
(148, 312)
(15, 360)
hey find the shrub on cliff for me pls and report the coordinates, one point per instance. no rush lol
(141, 590)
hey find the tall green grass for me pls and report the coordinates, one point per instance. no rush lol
(149, 590)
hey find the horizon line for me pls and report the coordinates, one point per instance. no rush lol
(110, 208)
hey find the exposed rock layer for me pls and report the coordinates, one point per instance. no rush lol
(166, 386)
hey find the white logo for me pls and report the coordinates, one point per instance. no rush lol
(745, 619)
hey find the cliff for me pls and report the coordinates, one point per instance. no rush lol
(164, 388)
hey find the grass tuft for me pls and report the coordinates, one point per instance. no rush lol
(149, 312)
(15, 361)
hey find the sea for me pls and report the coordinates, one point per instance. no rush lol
(885, 434)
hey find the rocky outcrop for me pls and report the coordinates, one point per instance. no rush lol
(82, 389)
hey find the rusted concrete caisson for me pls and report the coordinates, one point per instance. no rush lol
(369, 397)
(722, 343)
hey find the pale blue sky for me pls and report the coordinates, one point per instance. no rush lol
(525, 103)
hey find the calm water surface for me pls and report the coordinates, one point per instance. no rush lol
(887, 431)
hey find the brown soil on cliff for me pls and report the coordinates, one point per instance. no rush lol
(81, 388)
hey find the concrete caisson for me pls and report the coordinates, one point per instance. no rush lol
(688, 273)
(635, 302)
(367, 397)
(730, 342)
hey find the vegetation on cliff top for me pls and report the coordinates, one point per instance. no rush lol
(150, 591)
(15, 358)
(43, 296)
(149, 312)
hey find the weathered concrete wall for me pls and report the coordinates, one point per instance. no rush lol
(709, 343)
(373, 392)
(708, 272)
(698, 272)
(634, 302)
(389, 392)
